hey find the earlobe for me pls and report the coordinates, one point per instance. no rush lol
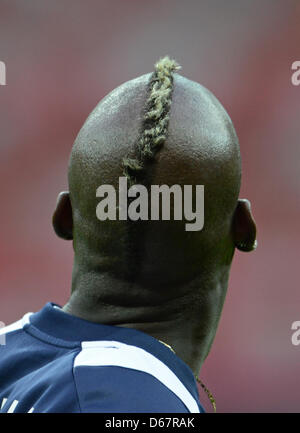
(62, 219)
(244, 227)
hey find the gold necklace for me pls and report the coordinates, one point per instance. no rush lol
(207, 391)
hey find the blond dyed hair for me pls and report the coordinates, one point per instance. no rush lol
(155, 119)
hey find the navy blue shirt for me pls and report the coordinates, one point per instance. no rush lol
(51, 361)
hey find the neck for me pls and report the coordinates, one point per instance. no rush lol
(186, 320)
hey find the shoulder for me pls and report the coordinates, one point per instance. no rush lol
(111, 376)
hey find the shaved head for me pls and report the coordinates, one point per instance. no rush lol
(154, 275)
(200, 148)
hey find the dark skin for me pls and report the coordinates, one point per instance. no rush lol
(154, 276)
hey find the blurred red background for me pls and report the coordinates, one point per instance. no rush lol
(62, 57)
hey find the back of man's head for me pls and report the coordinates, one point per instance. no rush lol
(157, 129)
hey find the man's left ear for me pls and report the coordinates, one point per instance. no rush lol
(62, 219)
(244, 227)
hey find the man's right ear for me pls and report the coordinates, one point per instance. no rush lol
(244, 227)
(62, 219)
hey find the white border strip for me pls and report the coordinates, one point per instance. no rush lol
(16, 325)
(114, 353)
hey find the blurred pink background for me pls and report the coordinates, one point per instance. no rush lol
(62, 57)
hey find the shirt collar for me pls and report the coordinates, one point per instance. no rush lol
(58, 325)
